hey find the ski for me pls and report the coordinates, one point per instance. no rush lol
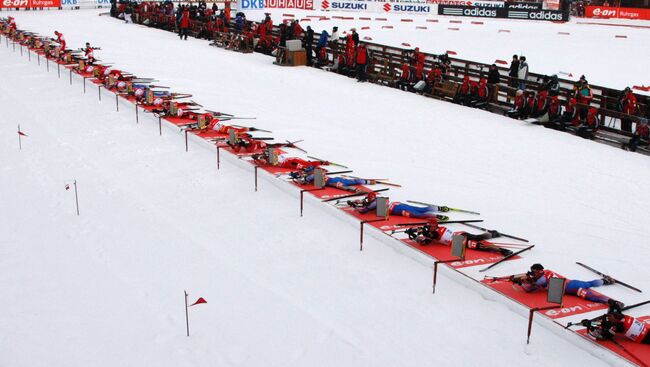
(500, 234)
(292, 144)
(442, 222)
(380, 181)
(330, 162)
(507, 257)
(440, 206)
(615, 280)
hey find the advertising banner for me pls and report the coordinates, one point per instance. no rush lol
(517, 13)
(613, 12)
(524, 6)
(471, 11)
(393, 7)
(30, 3)
(276, 4)
(550, 15)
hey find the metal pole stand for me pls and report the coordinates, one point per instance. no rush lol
(302, 192)
(361, 228)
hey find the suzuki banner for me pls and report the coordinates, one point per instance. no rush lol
(496, 12)
(613, 12)
(30, 3)
(393, 7)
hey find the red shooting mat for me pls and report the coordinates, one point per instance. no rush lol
(636, 352)
(437, 251)
(330, 192)
(573, 305)
(472, 257)
(179, 121)
(242, 152)
(76, 71)
(209, 134)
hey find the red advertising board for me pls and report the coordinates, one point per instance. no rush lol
(30, 3)
(612, 12)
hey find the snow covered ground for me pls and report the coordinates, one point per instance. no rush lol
(105, 288)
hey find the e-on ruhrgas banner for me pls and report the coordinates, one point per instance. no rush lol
(30, 3)
(276, 4)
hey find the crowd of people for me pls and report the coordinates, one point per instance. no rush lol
(541, 102)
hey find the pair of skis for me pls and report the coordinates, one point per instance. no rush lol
(616, 281)
(442, 206)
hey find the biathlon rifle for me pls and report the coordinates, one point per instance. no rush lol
(352, 195)
(251, 128)
(219, 114)
(510, 278)
(443, 208)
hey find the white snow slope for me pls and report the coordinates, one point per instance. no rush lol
(105, 288)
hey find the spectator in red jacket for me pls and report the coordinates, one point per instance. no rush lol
(184, 24)
(404, 81)
(60, 40)
(362, 62)
(627, 105)
(590, 124)
(520, 102)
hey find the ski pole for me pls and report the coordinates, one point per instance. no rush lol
(500, 234)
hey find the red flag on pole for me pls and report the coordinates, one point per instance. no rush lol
(21, 133)
(199, 301)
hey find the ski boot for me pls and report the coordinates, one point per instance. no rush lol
(615, 306)
(505, 252)
(607, 280)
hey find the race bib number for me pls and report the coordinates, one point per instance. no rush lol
(635, 330)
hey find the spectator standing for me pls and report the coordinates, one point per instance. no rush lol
(184, 24)
(493, 75)
(362, 62)
(355, 36)
(307, 43)
(523, 72)
(583, 95)
(493, 79)
(514, 71)
(334, 41)
(627, 105)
